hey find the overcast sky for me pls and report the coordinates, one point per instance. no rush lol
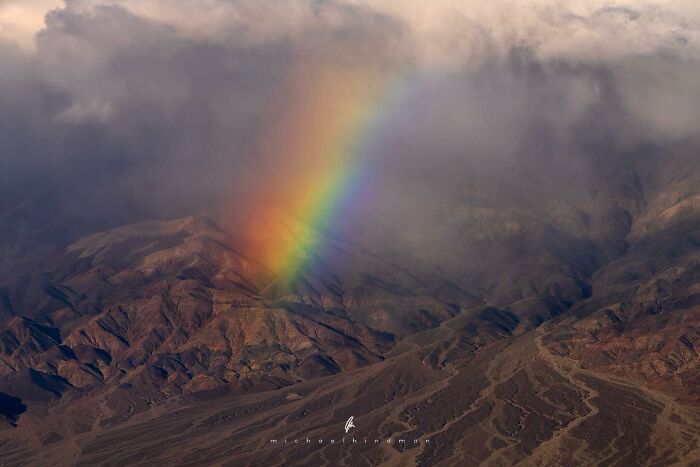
(112, 111)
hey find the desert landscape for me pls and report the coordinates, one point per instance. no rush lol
(159, 343)
(349, 234)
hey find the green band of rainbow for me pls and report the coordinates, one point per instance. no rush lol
(327, 141)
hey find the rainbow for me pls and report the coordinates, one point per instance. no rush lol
(322, 146)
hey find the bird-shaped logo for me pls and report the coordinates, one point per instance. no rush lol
(349, 424)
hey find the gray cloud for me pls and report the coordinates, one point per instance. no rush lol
(130, 109)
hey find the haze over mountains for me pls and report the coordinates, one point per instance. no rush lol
(566, 317)
(224, 226)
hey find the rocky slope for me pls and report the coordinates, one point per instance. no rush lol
(521, 329)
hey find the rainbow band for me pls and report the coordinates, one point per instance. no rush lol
(327, 140)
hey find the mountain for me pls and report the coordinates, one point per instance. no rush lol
(559, 327)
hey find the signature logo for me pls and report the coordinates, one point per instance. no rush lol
(349, 424)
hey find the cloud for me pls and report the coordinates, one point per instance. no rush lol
(81, 112)
(21, 20)
(118, 110)
(586, 30)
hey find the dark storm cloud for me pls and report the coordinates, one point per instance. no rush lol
(131, 110)
(121, 110)
(117, 117)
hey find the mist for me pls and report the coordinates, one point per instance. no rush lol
(114, 112)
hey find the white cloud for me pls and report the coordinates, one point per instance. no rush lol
(91, 110)
(20, 20)
(443, 31)
(653, 46)
(587, 30)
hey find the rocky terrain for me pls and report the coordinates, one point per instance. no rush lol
(520, 330)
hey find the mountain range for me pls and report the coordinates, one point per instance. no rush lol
(529, 322)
